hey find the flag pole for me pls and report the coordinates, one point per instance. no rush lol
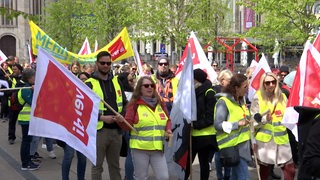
(254, 151)
(18, 88)
(115, 112)
(4, 71)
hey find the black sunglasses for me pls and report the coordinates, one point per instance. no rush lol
(269, 82)
(161, 64)
(148, 85)
(104, 63)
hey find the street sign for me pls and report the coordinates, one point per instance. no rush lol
(162, 48)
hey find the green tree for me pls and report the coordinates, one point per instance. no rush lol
(290, 22)
(69, 22)
(173, 20)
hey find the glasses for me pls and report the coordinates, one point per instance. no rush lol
(133, 69)
(104, 63)
(214, 65)
(269, 82)
(148, 85)
(161, 64)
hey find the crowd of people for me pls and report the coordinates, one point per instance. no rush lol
(144, 99)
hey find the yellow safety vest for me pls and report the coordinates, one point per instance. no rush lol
(210, 130)
(150, 128)
(10, 70)
(24, 114)
(167, 89)
(97, 89)
(237, 136)
(273, 129)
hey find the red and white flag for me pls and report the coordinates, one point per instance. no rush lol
(138, 61)
(3, 57)
(261, 68)
(85, 49)
(96, 47)
(199, 59)
(305, 90)
(31, 58)
(63, 107)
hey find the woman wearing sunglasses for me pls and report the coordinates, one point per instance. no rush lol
(148, 115)
(272, 142)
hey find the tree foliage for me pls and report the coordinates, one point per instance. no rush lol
(173, 20)
(290, 22)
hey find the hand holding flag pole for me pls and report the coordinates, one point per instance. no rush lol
(6, 74)
(119, 115)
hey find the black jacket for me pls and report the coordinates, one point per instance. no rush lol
(206, 101)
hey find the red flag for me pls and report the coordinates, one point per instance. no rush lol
(261, 68)
(305, 91)
(63, 107)
(199, 59)
(85, 49)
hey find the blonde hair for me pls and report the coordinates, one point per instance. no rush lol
(278, 96)
(225, 74)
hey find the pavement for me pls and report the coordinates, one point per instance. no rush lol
(50, 169)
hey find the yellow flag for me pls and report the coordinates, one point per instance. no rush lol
(119, 48)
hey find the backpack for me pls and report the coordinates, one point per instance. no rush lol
(14, 102)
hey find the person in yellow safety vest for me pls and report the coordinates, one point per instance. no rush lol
(202, 132)
(231, 120)
(10, 62)
(148, 115)
(25, 99)
(13, 110)
(273, 147)
(109, 135)
(167, 83)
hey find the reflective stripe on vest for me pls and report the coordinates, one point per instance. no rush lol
(97, 89)
(24, 114)
(150, 128)
(168, 92)
(273, 129)
(237, 136)
(210, 130)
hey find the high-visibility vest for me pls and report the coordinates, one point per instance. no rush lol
(10, 70)
(24, 114)
(150, 128)
(210, 130)
(97, 89)
(237, 136)
(272, 129)
(168, 92)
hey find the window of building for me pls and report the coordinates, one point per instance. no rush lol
(11, 5)
(36, 7)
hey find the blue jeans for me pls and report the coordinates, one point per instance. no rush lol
(240, 172)
(25, 146)
(128, 163)
(219, 174)
(67, 160)
(35, 143)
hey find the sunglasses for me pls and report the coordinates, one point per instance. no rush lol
(148, 85)
(269, 82)
(104, 63)
(133, 69)
(161, 64)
